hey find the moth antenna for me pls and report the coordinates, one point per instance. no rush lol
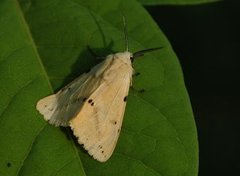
(125, 33)
(142, 52)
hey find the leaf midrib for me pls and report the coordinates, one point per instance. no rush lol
(32, 43)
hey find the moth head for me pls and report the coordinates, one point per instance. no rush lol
(124, 56)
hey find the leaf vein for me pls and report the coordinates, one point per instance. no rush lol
(173, 127)
(15, 95)
(29, 150)
(140, 162)
(25, 25)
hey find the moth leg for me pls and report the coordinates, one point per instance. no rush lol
(136, 74)
(137, 90)
(94, 54)
(134, 89)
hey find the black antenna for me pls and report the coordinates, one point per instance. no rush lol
(125, 33)
(142, 52)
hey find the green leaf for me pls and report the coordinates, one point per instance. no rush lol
(176, 2)
(28, 145)
(43, 47)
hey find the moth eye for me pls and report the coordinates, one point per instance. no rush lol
(131, 58)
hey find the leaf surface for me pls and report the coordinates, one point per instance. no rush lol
(44, 48)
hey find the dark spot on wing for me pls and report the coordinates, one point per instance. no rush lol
(9, 164)
(115, 122)
(100, 146)
(92, 104)
(63, 89)
(125, 98)
(45, 106)
(118, 130)
(69, 88)
(90, 101)
(102, 151)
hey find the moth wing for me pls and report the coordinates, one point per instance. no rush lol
(59, 108)
(98, 124)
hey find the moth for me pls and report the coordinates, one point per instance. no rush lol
(93, 104)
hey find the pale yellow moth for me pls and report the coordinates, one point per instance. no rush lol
(93, 105)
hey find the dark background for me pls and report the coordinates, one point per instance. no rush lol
(206, 39)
